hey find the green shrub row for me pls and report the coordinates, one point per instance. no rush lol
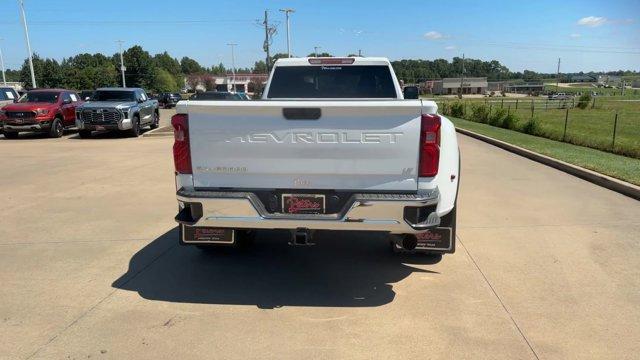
(499, 117)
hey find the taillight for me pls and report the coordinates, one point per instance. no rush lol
(181, 149)
(429, 145)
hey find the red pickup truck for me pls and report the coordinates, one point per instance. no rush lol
(47, 111)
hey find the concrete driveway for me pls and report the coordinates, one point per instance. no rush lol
(547, 266)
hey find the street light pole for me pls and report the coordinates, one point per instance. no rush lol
(122, 68)
(26, 36)
(315, 50)
(233, 64)
(287, 12)
(4, 77)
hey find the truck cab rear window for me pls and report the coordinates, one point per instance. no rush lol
(331, 81)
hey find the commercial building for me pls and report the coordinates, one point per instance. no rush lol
(452, 86)
(583, 78)
(524, 88)
(228, 82)
(609, 80)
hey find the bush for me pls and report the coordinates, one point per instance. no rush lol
(531, 127)
(457, 109)
(445, 108)
(479, 113)
(497, 116)
(584, 101)
(510, 121)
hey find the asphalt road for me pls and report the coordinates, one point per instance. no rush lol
(547, 266)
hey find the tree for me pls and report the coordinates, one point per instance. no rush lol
(47, 72)
(218, 70)
(190, 66)
(322, 54)
(260, 67)
(209, 82)
(171, 65)
(193, 81)
(89, 71)
(164, 81)
(141, 69)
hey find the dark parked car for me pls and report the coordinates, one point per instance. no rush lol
(169, 100)
(216, 95)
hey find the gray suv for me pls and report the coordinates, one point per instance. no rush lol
(124, 109)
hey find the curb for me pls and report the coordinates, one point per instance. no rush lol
(605, 181)
(161, 131)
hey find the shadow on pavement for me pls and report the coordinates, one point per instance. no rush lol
(109, 134)
(341, 270)
(27, 135)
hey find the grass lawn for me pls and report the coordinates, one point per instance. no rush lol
(588, 127)
(618, 166)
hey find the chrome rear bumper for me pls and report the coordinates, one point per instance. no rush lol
(363, 212)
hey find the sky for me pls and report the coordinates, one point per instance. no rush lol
(587, 35)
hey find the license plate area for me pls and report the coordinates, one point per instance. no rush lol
(434, 239)
(207, 235)
(303, 203)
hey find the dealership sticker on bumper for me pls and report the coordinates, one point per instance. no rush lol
(211, 235)
(434, 239)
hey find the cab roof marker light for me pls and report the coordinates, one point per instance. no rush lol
(331, 61)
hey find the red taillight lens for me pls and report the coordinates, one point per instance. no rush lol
(181, 148)
(331, 61)
(429, 145)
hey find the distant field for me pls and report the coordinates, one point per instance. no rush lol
(587, 88)
(621, 167)
(592, 127)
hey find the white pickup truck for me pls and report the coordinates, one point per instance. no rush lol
(334, 144)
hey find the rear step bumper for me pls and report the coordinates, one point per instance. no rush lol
(394, 213)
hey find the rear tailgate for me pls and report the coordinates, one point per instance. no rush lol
(341, 145)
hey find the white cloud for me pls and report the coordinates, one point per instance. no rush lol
(592, 21)
(575, 35)
(434, 35)
(450, 47)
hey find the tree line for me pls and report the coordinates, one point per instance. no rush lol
(164, 73)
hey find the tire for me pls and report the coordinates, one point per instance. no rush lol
(135, 127)
(57, 129)
(244, 238)
(156, 121)
(85, 134)
(11, 134)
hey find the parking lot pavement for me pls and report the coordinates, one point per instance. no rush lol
(546, 267)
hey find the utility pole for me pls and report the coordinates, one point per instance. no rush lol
(4, 77)
(266, 40)
(122, 67)
(558, 75)
(462, 76)
(287, 11)
(359, 53)
(26, 37)
(315, 50)
(233, 64)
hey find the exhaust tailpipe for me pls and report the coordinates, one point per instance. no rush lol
(409, 242)
(406, 242)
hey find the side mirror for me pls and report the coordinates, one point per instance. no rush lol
(411, 92)
(66, 101)
(140, 100)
